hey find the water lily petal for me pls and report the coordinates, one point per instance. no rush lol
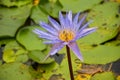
(86, 32)
(80, 23)
(62, 20)
(69, 19)
(56, 47)
(49, 28)
(48, 37)
(44, 35)
(75, 19)
(74, 47)
(54, 23)
(84, 26)
(69, 16)
(39, 32)
(52, 41)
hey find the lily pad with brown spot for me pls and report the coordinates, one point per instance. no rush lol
(104, 17)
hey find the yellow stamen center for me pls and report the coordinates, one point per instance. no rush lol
(66, 35)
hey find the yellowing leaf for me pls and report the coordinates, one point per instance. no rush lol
(13, 51)
(118, 78)
(83, 77)
(14, 71)
(29, 39)
(9, 56)
(118, 1)
(36, 2)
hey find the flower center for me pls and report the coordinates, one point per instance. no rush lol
(66, 35)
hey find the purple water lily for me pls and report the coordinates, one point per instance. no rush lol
(64, 33)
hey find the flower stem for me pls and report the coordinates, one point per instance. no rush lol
(69, 63)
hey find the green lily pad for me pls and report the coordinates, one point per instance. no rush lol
(39, 57)
(1, 62)
(101, 55)
(29, 39)
(22, 58)
(13, 18)
(44, 9)
(14, 71)
(106, 18)
(50, 69)
(95, 54)
(78, 5)
(13, 52)
(113, 43)
(54, 71)
(18, 3)
(38, 15)
(103, 76)
(5, 41)
(51, 7)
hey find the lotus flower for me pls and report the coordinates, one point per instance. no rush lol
(66, 32)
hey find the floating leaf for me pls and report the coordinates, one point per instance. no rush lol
(78, 5)
(83, 77)
(103, 76)
(13, 52)
(113, 43)
(29, 39)
(14, 71)
(118, 1)
(38, 15)
(9, 56)
(39, 57)
(5, 41)
(106, 18)
(51, 7)
(18, 3)
(98, 54)
(118, 78)
(45, 8)
(12, 18)
(101, 54)
(22, 58)
(1, 62)
(55, 71)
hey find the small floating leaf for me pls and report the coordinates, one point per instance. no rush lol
(14, 71)
(17, 3)
(101, 54)
(39, 57)
(12, 18)
(78, 5)
(29, 39)
(13, 52)
(38, 15)
(106, 17)
(103, 76)
(52, 7)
